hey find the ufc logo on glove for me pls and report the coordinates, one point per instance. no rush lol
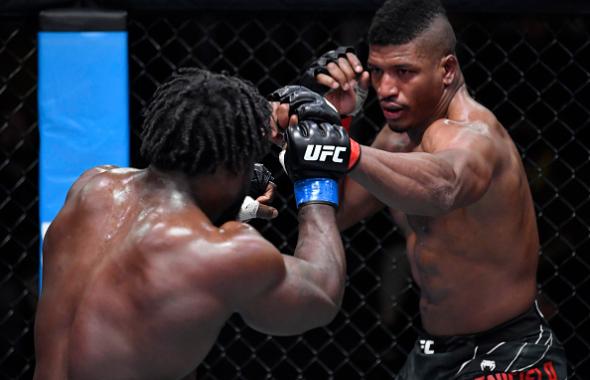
(316, 155)
(321, 152)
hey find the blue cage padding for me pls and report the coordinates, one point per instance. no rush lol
(83, 105)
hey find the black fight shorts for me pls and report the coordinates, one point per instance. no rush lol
(524, 348)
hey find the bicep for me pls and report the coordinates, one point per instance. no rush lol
(473, 160)
(357, 202)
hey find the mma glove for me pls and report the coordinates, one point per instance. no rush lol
(306, 104)
(317, 155)
(261, 177)
(319, 66)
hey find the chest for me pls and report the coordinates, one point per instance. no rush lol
(451, 226)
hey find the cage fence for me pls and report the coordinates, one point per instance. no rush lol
(530, 70)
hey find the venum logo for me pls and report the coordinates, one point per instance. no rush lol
(546, 371)
(488, 365)
(322, 152)
(426, 346)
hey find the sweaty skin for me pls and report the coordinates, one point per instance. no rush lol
(138, 281)
(454, 182)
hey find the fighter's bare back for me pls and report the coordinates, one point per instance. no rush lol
(133, 263)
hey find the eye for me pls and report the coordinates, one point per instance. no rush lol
(402, 71)
(374, 70)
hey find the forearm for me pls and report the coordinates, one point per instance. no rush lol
(415, 183)
(320, 245)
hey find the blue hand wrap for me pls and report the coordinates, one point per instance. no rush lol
(316, 190)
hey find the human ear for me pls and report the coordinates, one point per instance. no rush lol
(449, 65)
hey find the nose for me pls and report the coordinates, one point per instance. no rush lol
(386, 86)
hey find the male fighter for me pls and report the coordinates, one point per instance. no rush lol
(454, 182)
(143, 267)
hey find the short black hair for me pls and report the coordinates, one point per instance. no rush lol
(398, 22)
(198, 121)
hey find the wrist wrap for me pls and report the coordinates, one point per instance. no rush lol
(316, 190)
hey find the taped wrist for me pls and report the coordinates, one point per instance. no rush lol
(249, 209)
(316, 190)
(361, 96)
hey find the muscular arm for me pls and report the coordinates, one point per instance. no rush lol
(357, 202)
(308, 290)
(454, 170)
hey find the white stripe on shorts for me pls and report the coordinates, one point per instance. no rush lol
(516, 357)
(540, 334)
(494, 349)
(536, 361)
(468, 361)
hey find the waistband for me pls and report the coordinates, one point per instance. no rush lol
(518, 327)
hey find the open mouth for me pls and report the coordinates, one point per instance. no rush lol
(392, 111)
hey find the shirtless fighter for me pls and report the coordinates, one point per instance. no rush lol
(143, 267)
(453, 180)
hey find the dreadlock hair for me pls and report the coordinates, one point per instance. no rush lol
(398, 22)
(198, 121)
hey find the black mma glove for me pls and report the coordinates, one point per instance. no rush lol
(319, 67)
(317, 154)
(306, 104)
(261, 176)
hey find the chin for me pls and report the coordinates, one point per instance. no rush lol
(397, 127)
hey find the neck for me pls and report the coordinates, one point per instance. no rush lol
(450, 92)
(188, 190)
(215, 194)
(167, 180)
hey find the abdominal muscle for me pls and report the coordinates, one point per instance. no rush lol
(468, 282)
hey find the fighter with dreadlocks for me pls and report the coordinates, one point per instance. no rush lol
(142, 267)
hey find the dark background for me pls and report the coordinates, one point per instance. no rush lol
(528, 62)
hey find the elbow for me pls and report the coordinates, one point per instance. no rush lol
(329, 307)
(332, 311)
(316, 317)
(328, 313)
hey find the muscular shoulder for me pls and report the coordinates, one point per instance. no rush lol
(98, 179)
(446, 133)
(190, 230)
(247, 252)
(478, 143)
(484, 137)
(232, 259)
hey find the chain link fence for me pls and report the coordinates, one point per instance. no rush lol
(532, 71)
(19, 215)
